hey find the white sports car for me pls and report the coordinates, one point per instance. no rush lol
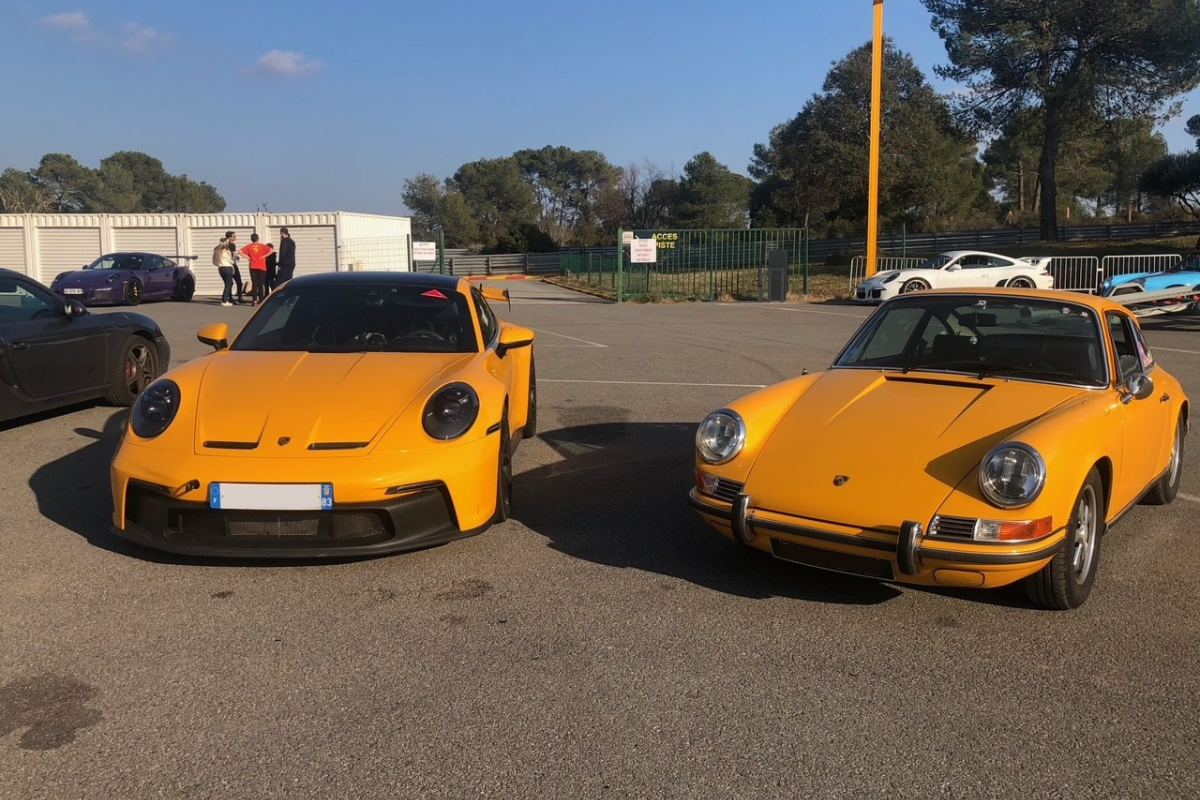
(957, 269)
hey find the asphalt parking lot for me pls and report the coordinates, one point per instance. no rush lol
(603, 643)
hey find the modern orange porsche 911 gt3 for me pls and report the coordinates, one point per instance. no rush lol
(354, 414)
(960, 439)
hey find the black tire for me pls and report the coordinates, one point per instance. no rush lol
(1166, 487)
(133, 292)
(186, 289)
(531, 418)
(1067, 580)
(1021, 283)
(504, 475)
(137, 368)
(914, 285)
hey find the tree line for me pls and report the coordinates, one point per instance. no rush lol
(125, 182)
(1055, 122)
(1065, 96)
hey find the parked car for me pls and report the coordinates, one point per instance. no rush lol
(355, 413)
(1185, 276)
(958, 269)
(54, 353)
(127, 278)
(969, 439)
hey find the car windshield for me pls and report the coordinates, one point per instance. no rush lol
(360, 317)
(123, 261)
(937, 262)
(1044, 340)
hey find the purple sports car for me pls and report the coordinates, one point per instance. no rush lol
(127, 278)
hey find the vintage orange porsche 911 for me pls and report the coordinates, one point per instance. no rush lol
(354, 414)
(960, 439)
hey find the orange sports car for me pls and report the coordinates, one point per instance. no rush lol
(960, 439)
(354, 414)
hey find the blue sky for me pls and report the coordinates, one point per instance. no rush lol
(317, 106)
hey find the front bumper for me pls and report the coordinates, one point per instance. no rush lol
(907, 555)
(422, 517)
(871, 294)
(104, 295)
(383, 502)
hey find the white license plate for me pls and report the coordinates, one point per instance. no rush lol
(271, 496)
(72, 291)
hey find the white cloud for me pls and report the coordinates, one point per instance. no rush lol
(137, 38)
(72, 21)
(286, 63)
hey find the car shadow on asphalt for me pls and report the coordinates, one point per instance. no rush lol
(619, 498)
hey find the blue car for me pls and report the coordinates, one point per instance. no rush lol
(1185, 276)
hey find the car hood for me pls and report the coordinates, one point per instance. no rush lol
(879, 277)
(335, 403)
(898, 444)
(87, 278)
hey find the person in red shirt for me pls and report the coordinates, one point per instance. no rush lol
(256, 253)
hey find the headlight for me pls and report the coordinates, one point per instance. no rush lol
(451, 411)
(891, 277)
(1012, 475)
(155, 409)
(720, 436)
(58, 277)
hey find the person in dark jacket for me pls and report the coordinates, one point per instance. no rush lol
(287, 257)
(272, 265)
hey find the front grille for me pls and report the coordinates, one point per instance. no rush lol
(956, 527)
(727, 490)
(291, 525)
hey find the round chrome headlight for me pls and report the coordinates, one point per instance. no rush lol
(1012, 475)
(720, 436)
(155, 409)
(451, 411)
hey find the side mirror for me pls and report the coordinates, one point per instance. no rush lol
(513, 336)
(1139, 387)
(953, 268)
(215, 335)
(74, 308)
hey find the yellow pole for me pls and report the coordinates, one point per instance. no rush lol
(873, 179)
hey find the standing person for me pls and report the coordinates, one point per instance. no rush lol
(237, 271)
(256, 253)
(272, 263)
(223, 261)
(287, 257)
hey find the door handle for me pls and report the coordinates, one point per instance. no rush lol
(19, 345)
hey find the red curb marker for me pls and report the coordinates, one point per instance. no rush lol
(504, 277)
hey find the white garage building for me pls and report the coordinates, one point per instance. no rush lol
(43, 245)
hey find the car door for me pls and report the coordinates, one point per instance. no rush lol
(44, 353)
(1144, 422)
(973, 270)
(157, 280)
(500, 368)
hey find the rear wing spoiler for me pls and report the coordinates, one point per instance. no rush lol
(496, 294)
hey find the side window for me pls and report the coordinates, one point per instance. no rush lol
(974, 262)
(487, 320)
(151, 262)
(20, 302)
(1124, 345)
(1143, 350)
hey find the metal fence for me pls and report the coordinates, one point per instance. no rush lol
(858, 266)
(702, 264)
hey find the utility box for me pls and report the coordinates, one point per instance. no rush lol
(777, 275)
